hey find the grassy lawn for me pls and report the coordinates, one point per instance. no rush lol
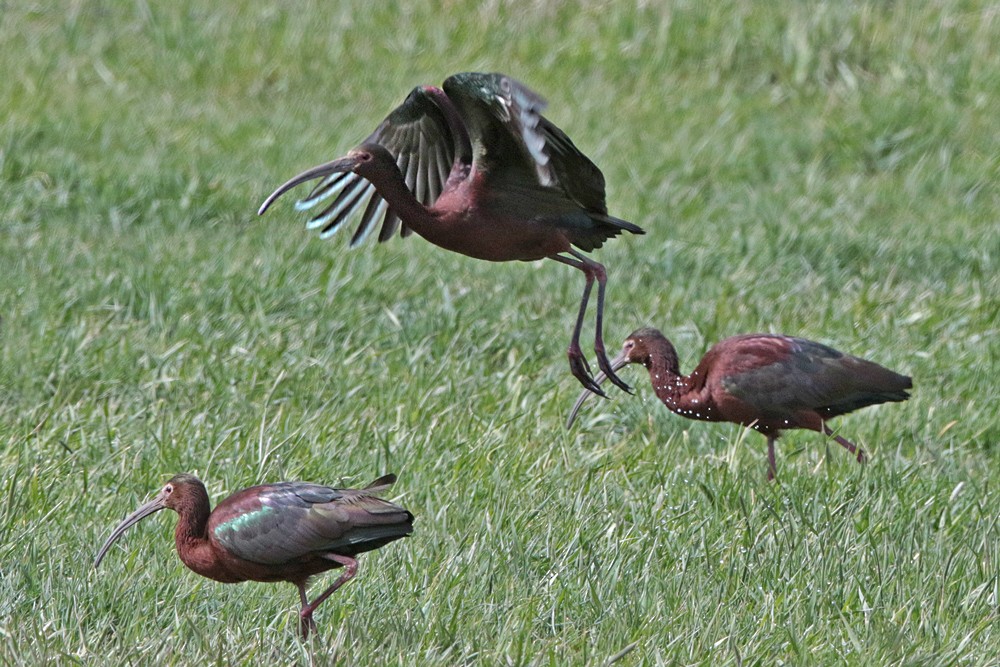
(828, 170)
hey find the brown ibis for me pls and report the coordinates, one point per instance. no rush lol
(763, 381)
(287, 531)
(475, 168)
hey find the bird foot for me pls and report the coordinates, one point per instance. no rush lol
(605, 366)
(306, 624)
(862, 457)
(581, 371)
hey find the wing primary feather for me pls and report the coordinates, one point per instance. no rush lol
(383, 482)
(403, 163)
(338, 209)
(420, 189)
(444, 167)
(407, 144)
(392, 220)
(346, 210)
(411, 172)
(528, 107)
(373, 534)
(389, 223)
(444, 162)
(366, 226)
(434, 183)
(408, 172)
(326, 188)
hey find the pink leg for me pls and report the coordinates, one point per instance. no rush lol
(847, 444)
(577, 362)
(772, 467)
(602, 357)
(306, 621)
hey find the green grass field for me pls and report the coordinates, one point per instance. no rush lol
(828, 170)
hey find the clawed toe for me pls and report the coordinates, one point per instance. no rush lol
(581, 371)
(605, 366)
(306, 625)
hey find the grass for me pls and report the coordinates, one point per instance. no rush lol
(823, 169)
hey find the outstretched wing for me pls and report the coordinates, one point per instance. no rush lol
(576, 174)
(418, 135)
(559, 163)
(280, 523)
(517, 148)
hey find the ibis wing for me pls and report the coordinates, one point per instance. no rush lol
(773, 374)
(780, 374)
(560, 167)
(558, 162)
(294, 520)
(578, 176)
(521, 110)
(418, 136)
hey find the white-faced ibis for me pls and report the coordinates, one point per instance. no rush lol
(287, 531)
(476, 169)
(764, 381)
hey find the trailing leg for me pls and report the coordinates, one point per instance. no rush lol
(847, 444)
(305, 616)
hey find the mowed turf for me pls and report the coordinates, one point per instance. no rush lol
(823, 170)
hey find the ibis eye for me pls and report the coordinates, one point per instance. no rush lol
(169, 488)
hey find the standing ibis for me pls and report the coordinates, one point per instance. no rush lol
(474, 168)
(767, 382)
(287, 531)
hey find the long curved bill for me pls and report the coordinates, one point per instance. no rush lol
(153, 506)
(618, 362)
(319, 171)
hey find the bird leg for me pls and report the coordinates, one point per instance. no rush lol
(306, 622)
(577, 362)
(772, 467)
(602, 357)
(847, 444)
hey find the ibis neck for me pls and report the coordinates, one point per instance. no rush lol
(665, 375)
(191, 535)
(685, 395)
